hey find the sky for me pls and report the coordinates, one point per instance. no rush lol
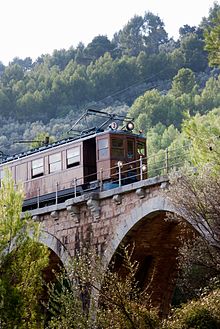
(30, 28)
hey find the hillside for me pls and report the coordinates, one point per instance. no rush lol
(137, 68)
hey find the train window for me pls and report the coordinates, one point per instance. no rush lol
(117, 142)
(103, 148)
(37, 167)
(55, 162)
(21, 172)
(141, 148)
(73, 157)
(130, 149)
(117, 148)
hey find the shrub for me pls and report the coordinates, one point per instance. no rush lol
(197, 314)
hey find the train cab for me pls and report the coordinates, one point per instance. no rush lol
(119, 148)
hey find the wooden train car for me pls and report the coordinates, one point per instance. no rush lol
(75, 165)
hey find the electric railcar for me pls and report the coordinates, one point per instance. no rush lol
(60, 170)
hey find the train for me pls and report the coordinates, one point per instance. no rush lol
(98, 158)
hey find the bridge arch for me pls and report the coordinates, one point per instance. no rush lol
(156, 242)
(152, 205)
(56, 246)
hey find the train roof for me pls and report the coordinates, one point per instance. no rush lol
(66, 141)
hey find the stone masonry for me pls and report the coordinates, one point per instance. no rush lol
(131, 214)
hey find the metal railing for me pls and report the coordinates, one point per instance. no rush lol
(122, 173)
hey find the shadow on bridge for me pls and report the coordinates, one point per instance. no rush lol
(155, 241)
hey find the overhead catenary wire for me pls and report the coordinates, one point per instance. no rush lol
(118, 92)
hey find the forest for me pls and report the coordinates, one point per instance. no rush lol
(141, 72)
(172, 90)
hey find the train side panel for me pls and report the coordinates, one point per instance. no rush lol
(45, 172)
(79, 162)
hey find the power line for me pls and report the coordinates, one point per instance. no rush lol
(134, 84)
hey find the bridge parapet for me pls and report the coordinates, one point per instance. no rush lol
(72, 205)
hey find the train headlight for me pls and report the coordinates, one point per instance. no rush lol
(113, 125)
(130, 126)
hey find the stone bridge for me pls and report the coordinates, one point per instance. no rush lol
(131, 214)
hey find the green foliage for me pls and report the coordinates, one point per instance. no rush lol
(12, 74)
(209, 97)
(199, 270)
(22, 260)
(90, 296)
(167, 148)
(195, 193)
(153, 107)
(154, 67)
(192, 48)
(129, 39)
(212, 38)
(186, 29)
(203, 132)
(183, 82)
(139, 57)
(100, 74)
(42, 139)
(98, 47)
(200, 314)
(155, 34)
(213, 13)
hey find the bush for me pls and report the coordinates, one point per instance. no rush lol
(201, 318)
(200, 314)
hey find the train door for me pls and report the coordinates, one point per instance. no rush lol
(89, 160)
(131, 167)
(130, 150)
